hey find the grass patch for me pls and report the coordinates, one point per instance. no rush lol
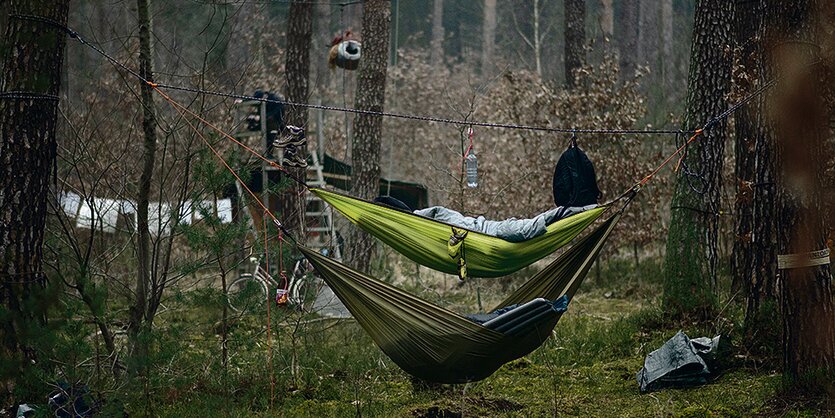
(333, 369)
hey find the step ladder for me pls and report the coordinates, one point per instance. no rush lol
(318, 215)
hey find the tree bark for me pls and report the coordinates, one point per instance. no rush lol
(692, 254)
(648, 42)
(606, 19)
(575, 39)
(753, 268)
(32, 63)
(297, 67)
(437, 47)
(537, 41)
(800, 119)
(627, 38)
(138, 327)
(668, 59)
(746, 25)
(371, 94)
(488, 35)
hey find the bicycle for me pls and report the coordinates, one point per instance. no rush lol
(251, 289)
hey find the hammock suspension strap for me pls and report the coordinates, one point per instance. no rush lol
(455, 249)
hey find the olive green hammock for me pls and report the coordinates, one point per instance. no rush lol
(426, 241)
(438, 345)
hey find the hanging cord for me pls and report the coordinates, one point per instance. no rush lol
(245, 2)
(226, 135)
(26, 95)
(696, 135)
(121, 65)
(427, 118)
(74, 35)
(234, 173)
(223, 161)
(689, 175)
(269, 316)
(699, 132)
(630, 193)
(157, 86)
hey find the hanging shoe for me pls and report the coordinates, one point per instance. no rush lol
(294, 137)
(293, 157)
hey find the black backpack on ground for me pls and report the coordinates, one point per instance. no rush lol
(575, 183)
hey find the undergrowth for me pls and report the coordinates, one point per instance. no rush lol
(332, 368)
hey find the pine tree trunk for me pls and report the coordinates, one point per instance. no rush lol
(297, 68)
(575, 39)
(137, 326)
(800, 124)
(753, 267)
(746, 25)
(488, 35)
(371, 94)
(32, 61)
(437, 52)
(692, 254)
(627, 37)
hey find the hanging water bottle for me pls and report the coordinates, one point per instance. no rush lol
(472, 162)
(472, 169)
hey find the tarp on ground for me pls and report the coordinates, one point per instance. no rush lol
(679, 362)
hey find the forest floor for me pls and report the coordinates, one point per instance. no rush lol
(588, 368)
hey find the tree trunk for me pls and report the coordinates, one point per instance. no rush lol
(800, 121)
(138, 327)
(437, 52)
(297, 68)
(627, 36)
(648, 42)
(488, 35)
(537, 41)
(371, 94)
(668, 59)
(575, 39)
(606, 19)
(32, 61)
(692, 255)
(746, 25)
(752, 263)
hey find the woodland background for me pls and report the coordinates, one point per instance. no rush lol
(168, 344)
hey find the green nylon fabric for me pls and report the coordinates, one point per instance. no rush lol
(425, 240)
(438, 345)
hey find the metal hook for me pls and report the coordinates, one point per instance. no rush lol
(574, 137)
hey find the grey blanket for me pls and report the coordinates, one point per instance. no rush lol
(511, 229)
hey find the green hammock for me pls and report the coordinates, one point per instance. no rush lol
(438, 345)
(425, 240)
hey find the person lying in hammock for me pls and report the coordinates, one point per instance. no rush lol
(511, 229)
(575, 190)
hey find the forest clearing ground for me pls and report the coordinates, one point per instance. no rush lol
(587, 369)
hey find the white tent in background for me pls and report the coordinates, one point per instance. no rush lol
(102, 213)
(96, 213)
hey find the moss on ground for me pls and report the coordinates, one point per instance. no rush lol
(333, 369)
(587, 369)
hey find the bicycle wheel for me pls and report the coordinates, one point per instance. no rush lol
(303, 292)
(246, 293)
